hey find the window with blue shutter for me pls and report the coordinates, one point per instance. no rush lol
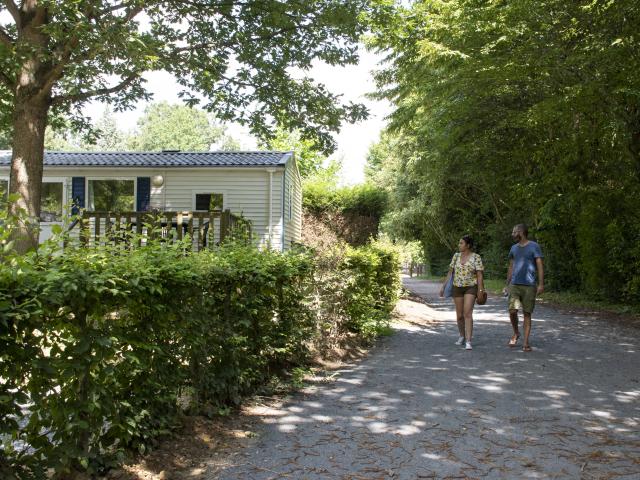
(143, 196)
(77, 195)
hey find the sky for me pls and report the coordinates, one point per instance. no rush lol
(353, 82)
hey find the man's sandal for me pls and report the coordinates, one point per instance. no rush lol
(513, 342)
(526, 348)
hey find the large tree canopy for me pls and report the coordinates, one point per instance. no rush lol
(517, 111)
(310, 160)
(164, 126)
(102, 135)
(236, 57)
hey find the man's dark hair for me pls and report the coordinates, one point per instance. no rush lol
(523, 228)
(469, 241)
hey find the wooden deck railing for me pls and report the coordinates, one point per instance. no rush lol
(205, 229)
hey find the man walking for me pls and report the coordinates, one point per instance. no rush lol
(525, 261)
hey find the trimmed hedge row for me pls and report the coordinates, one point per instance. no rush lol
(102, 349)
(372, 287)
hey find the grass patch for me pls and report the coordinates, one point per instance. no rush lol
(571, 300)
(584, 301)
(494, 286)
(384, 331)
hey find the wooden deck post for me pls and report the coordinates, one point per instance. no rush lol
(225, 222)
(179, 226)
(84, 228)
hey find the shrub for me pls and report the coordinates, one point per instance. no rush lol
(355, 289)
(363, 199)
(351, 212)
(101, 346)
(373, 286)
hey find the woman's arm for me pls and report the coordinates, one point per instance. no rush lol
(480, 277)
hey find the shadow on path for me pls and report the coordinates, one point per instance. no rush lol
(420, 407)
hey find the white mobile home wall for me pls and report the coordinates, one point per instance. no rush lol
(292, 204)
(246, 191)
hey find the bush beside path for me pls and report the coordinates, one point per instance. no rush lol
(420, 407)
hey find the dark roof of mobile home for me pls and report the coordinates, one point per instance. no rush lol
(164, 159)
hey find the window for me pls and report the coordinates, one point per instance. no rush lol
(111, 195)
(51, 202)
(4, 193)
(209, 202)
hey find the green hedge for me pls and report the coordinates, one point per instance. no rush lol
(363, 199)
(104, 347)
(372, 287)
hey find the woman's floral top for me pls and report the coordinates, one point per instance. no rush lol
(465, 273)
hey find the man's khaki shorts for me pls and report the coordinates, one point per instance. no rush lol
(522, 297)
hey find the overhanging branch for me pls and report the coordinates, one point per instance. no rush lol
(131, 14)
(8, 82)
(56, 72)
(14, 11)
(79, 97)
(5, 38)
(114, 8)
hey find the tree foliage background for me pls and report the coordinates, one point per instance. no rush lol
(162, 126)
(311, 161)
(236, 59)
(509, 112)
(178, 127)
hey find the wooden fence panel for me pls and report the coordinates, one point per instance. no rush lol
(205, 229)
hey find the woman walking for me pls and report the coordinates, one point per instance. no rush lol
(468, 280)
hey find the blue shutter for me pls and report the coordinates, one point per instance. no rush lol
(143, 196)
(77, 194)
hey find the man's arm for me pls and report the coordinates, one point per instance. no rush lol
(540, 267)
(509, 272)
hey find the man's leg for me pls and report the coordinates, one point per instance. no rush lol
(527, 330)
(513, 316)
(515, 302)
(528, 304)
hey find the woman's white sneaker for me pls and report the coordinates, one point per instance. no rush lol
(460, 341)
(467, 346)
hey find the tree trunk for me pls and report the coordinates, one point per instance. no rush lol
(29, 123)
(31, 107)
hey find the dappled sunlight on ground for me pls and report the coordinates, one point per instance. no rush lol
(420, 407)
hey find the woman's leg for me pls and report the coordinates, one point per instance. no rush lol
(459, 302)
(469, 302)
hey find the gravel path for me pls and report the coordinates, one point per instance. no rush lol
(420, 407)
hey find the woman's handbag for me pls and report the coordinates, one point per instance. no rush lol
(448, 288)
(481, 297)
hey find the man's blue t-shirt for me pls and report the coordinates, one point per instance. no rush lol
(524, 263)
